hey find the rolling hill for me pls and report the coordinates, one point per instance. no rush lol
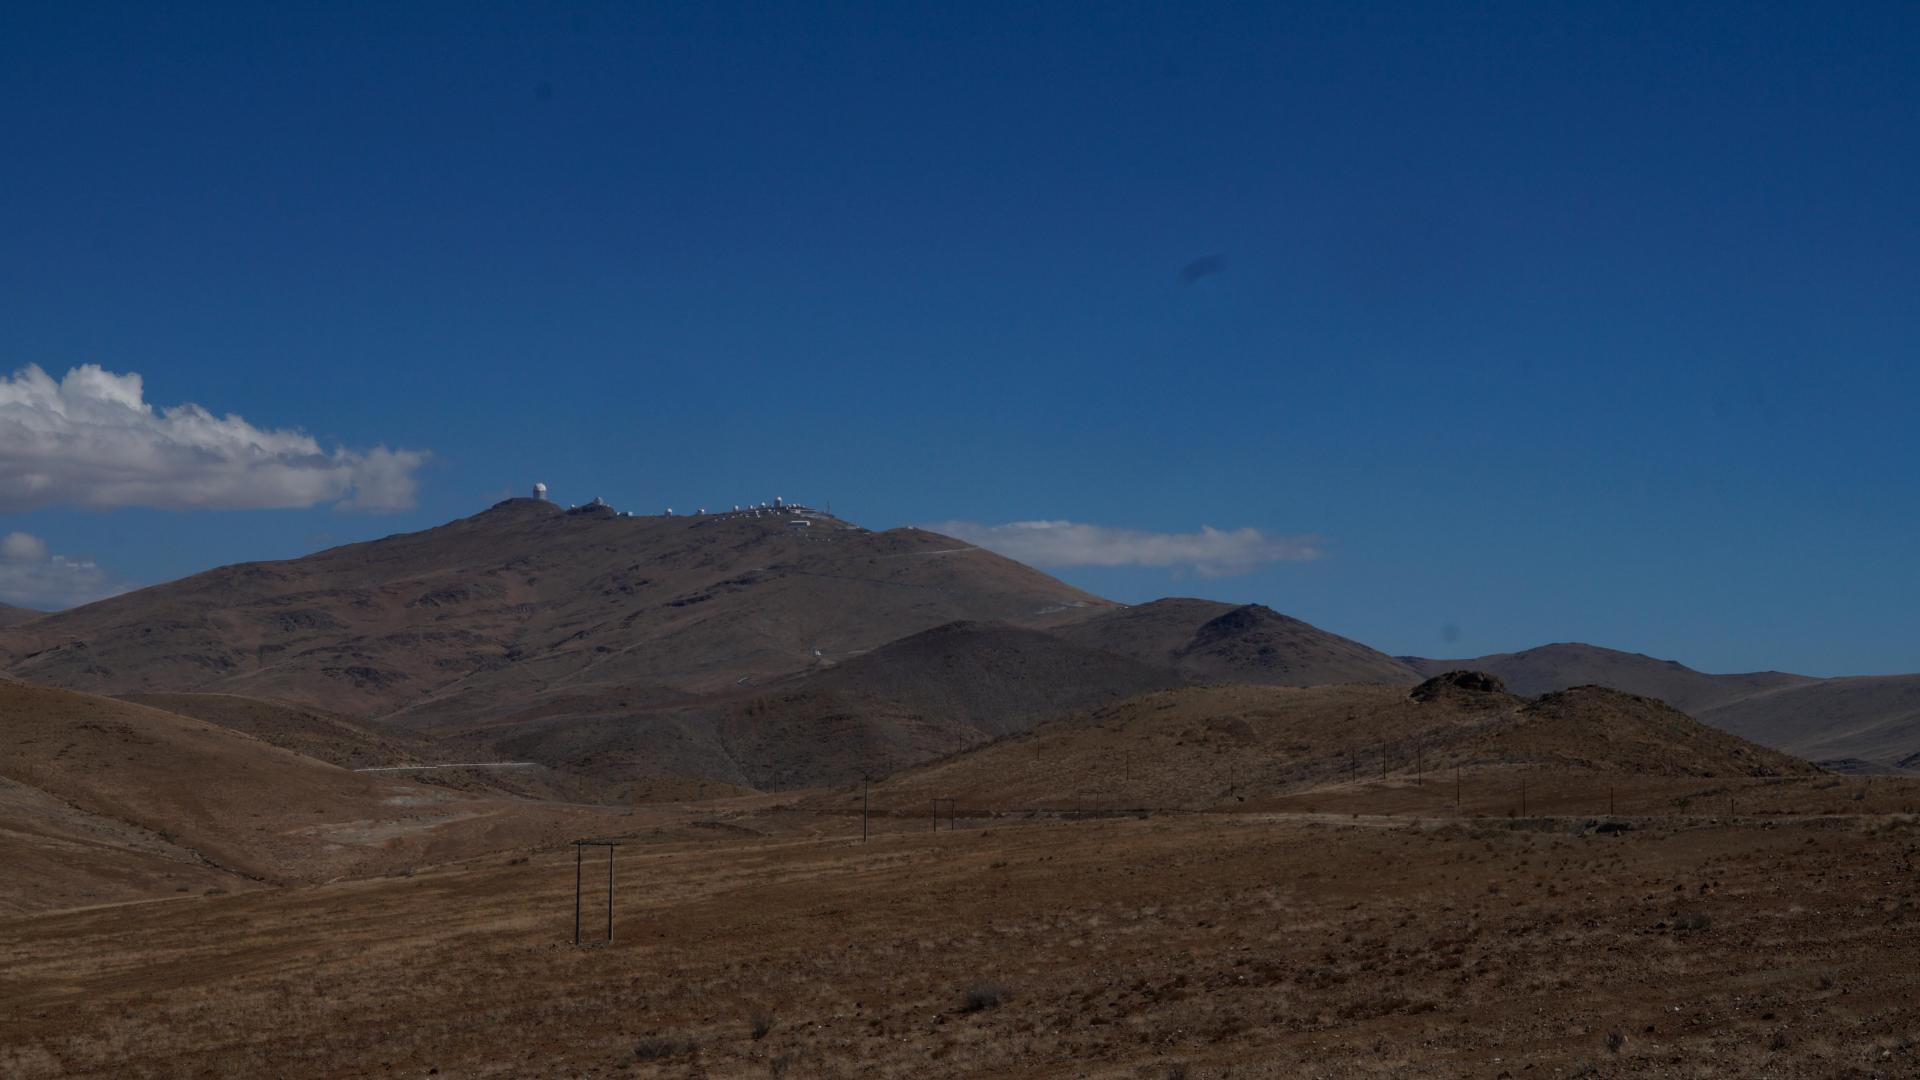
(104, 800)
(321, 736)
(1210, 641)
(1225, 745)
(1865, 724)
(1554, 667)
(926, 695)
(14, 616)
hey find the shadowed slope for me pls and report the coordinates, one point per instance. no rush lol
(154, 786)
(925, 695)
(1872, 719)
(318, 735)
(14, 616)
(1210, 641)
(1864, 723)
(1560, 666)
(1223, 745)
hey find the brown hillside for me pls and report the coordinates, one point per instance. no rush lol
(58, 855)
(1864, 724)
(924, 696)
(994, 679)
(322, 736)
(14, 616)
(1209, 746)
(200, 795)
(478, 615)
(1560, 666)
(1872, 719)
(1210, 641)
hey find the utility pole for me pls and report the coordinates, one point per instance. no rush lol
(865, 806)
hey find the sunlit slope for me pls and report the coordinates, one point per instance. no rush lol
(476, 617)
(1226, 745)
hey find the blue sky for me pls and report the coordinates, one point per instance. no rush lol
(1536, 322)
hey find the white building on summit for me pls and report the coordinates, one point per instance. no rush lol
(540, 492)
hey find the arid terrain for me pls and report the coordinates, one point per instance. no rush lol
(1204, 881)
(889, 805)
(1199, 945)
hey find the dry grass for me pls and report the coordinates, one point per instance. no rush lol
(1265, 946)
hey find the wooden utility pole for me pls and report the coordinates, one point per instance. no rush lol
(865, 807)
(579, 859)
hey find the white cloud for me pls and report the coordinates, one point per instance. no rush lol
(1210, 552)
(23, 547)
(32, 577)
(91, 439)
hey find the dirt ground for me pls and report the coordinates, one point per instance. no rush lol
(1243, 945)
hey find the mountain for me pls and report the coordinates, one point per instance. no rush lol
(925, 695)
(14, 616)
(526, 600)
(1210, 746)
(994, 679)
(686, 657)
(1209, 641)
(1559, 666)
(1864, 723)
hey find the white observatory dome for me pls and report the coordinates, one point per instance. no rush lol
(540, 492)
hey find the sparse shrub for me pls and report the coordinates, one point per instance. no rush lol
(660, 1048)
(983, 995)
(1779, 1041)
(759, 1022)
(1615, 1040)
(1691, 920)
